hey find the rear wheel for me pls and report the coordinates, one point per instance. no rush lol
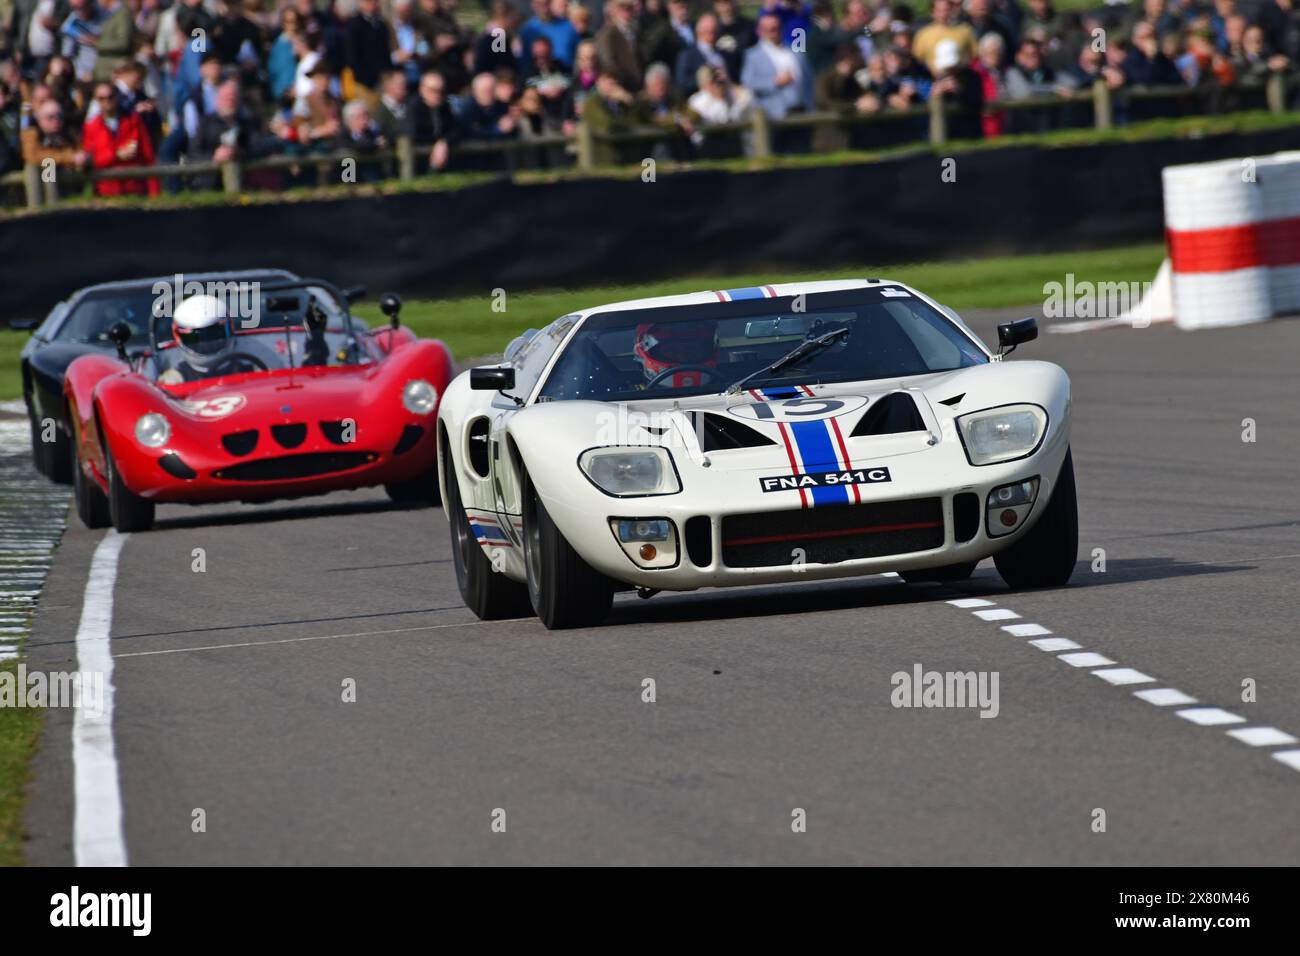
(128, 510)
(420, 490)
(92, 504)
(565, 590)
(487, 592)
(1045, 556)
(949, 572)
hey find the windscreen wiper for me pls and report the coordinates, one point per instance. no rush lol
(802, 350)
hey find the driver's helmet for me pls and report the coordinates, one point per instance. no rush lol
(662, 346)
(201, 329)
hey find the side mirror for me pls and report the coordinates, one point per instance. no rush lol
(119, 334)
(24, 325)
(1011, 334)
(495, 378)
(354, 293)
(391, 305)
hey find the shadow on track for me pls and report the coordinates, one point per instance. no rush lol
(259, 514)
(874, 591)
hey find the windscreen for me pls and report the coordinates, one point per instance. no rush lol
(881, 333)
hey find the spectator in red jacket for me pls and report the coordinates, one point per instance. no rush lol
(114, 139)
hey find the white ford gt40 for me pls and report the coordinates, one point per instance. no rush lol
(753, 436)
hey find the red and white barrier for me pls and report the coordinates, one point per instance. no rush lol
(1233, 232)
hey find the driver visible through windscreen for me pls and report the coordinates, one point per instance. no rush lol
(703, 349)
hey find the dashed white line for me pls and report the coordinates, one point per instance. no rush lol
(1085, 659)
(1165, 696)
(97, 820)
(1122, 675)
(1289, 757)
(996, 614)
(1026, 630)
(1210, 716)
(1055, 644)
(971, 602)
(1262, 736)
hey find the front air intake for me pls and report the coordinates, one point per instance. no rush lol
(290, 467)
(290, 436)
(891, 414)
(717, 433)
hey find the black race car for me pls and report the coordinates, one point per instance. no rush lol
(78, 325)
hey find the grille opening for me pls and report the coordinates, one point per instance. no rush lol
(290, 436)
(336, 433)
(410, 435)
(831, 534)
(175, 466)
(478, 446)
(288, 467)
(240, 443)
(891, 415)
(965, 515)
(717, 433)
(699, 540)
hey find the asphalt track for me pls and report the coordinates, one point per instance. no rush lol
(229, 682)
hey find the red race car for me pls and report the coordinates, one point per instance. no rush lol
(254, 394)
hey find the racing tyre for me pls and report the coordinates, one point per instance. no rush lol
(53, 459)
(489, 594)
(949, 572)
(128, 510)
(421, 490)
(1045, 556)
(92, 505)
(565, 590)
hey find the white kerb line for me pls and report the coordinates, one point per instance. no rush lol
(98, 839)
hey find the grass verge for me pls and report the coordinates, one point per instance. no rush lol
(19, 731)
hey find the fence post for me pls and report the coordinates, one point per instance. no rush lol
(405, 158)
(32, 185)
(938, 120)
(230, 176)
(1275, 92)
(761, 134)
(52, 188)
(586, 145)
(1102, 111)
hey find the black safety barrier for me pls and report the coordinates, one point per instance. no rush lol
(595, 231)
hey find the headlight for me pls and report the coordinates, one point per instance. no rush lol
(152, 430)
(622, 473)
(1001, 434)
(419, 397)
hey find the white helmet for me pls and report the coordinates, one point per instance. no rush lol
(201, 328)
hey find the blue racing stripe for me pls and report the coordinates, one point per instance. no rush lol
(751, 293)
(771, 394)
(813, 440)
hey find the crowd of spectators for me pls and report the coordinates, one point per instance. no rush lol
(127, 83)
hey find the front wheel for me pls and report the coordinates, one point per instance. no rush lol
(565, 590)
(52, 458)
(1045, 556)
(92, 505)
(128, 510)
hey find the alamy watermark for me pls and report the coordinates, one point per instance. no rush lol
(82, 690)
(922, 688)
(243, 300)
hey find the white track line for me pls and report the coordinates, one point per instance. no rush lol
(1210, 716)
(1122, 675)
(98, 839)
(996, 614)
(1055, 644)
(1026, 630)
(1262, 736)
(1085, 659)
(1101, 666)
(1165, 697)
